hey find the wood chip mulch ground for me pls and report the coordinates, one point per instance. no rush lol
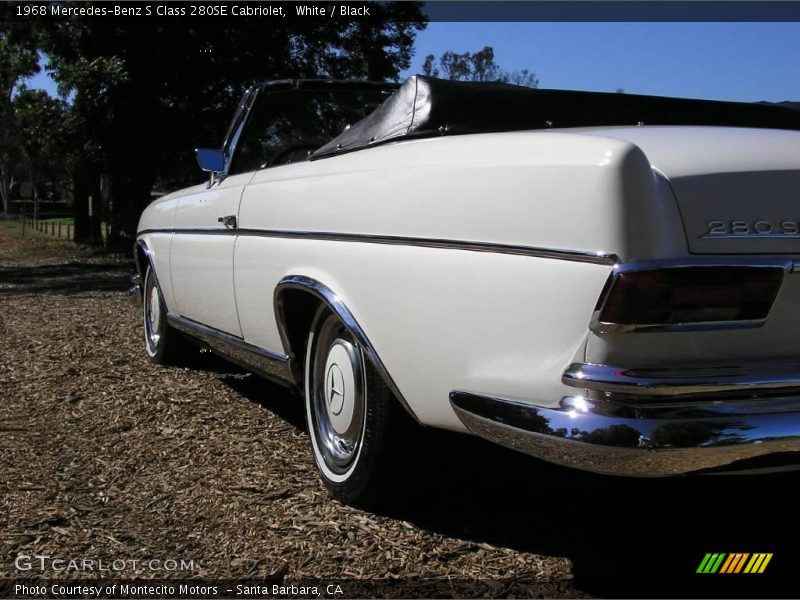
(104, 456)
(107, 456)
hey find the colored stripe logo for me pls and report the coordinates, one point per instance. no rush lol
(737, 562)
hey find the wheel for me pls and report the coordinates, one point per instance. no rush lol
(347, 410)
(163, 344)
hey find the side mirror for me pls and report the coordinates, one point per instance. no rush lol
(211, 161)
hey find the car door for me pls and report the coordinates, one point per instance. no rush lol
(285, 125)
(201, 254)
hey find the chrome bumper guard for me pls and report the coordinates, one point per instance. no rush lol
(710, 419)
(135, 291)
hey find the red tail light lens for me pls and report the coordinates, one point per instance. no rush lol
(674, 296)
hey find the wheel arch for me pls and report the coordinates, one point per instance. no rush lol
(141, 256)
(142, 259)
(296, 300)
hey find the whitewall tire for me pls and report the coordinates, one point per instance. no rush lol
(347, 411)
(163, 345)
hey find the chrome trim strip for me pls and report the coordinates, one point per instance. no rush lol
(757, 378)
(189, 231)
(261, 360)
(599, 258)
(600, 327)
(706, 261)
(581, 434)
(334, 303)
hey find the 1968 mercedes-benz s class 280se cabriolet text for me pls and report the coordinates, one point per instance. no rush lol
(605, 281)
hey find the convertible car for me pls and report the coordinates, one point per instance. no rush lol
(605, 281)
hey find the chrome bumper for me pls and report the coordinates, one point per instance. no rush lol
(709, 419)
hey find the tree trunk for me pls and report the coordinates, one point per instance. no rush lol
(130, 194)
(5, 186)
(85, 183)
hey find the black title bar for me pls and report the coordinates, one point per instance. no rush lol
(458, 11)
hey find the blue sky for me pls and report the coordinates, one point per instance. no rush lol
(724, 61)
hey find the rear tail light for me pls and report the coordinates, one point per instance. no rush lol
(686, 296)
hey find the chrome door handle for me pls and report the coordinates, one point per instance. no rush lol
(229, 221)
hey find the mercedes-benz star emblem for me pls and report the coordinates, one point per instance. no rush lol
(335, 389)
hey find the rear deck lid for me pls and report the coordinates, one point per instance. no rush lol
(738, 189)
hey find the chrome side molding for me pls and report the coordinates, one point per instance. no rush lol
(597, 258)
(260, 360)
(703, 261)
(336, 305)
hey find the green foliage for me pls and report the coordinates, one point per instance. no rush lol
(18, 60)
(475, 66)
(42, 121)
(144, 95)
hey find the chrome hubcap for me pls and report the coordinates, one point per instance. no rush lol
(152, 314)
(338, 402)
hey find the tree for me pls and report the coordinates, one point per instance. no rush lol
(18, 60)
(523, 78)
(43, 138)
(475, 66)
(146, 94)
(88, 124)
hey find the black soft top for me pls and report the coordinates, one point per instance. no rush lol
(426, 107)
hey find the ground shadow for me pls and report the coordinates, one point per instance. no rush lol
(626, 537)
(617, 531)
(66, 278)
(271, 396)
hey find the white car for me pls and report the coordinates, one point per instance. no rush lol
(606, 281)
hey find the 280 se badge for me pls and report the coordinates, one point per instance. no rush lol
(756, 228)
